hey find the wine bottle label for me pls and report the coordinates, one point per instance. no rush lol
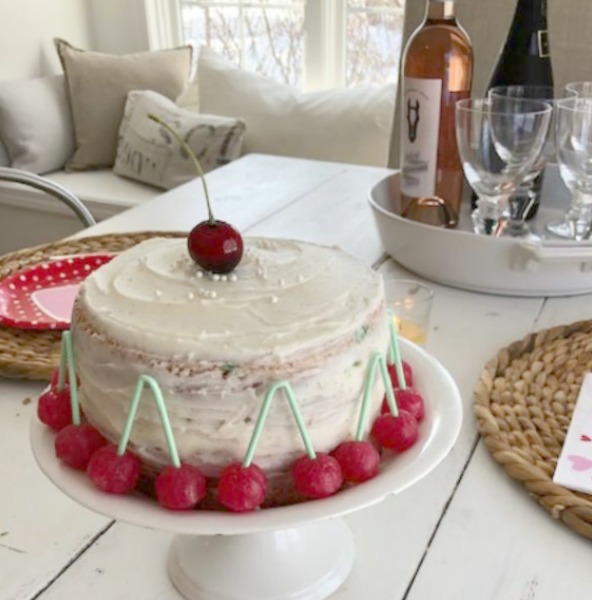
(543, 43)
(420, 126)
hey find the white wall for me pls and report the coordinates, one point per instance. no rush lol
(27, 29)
(119, 26)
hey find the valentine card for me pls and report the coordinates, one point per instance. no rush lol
(574, 468)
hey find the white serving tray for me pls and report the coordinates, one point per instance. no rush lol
(494, 265)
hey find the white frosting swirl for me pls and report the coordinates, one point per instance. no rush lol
(285, 297)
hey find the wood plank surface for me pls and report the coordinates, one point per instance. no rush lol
(495, 542)
(41, 530)
(466, 531)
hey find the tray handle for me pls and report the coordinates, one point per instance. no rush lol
(529, 256)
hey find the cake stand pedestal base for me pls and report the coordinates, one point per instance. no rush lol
(301, 563)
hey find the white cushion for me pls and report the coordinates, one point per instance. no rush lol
(102, 186)
(35, 123)
(344, 125)
(147, 152)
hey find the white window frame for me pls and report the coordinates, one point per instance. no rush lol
(324, 46)
(324, 42)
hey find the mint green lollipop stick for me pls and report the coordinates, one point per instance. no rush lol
(144, 380)
(262, 417)
(376, 362)
(63, 362)
(395, 353)
(67, 361)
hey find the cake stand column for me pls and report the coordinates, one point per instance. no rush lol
(302, 563)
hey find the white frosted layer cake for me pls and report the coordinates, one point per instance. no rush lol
(292, 311)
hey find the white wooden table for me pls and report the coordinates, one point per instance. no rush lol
(464, 532)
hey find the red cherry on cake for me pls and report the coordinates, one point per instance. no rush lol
(409, 400)
(396, 433)
(242, 489)
(215, 246)
(317, 477)
(54, 408)
(113, 473)
(407, 372)
(75, 444)
(359, 460)
(180, 488)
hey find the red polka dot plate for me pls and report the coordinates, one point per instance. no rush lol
(42, 296)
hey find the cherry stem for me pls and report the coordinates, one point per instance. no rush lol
(189, 151)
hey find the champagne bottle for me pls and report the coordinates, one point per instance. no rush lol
(437, 72)
(525, 60)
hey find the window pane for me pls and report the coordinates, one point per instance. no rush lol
(373, 41)
(262, 36)
(389, 5)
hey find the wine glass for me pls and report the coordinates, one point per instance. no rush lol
(564, 227)
(573, 139)
(579, 88)
(498, 146)
(522, 203)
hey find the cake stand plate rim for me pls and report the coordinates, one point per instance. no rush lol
(439, 432)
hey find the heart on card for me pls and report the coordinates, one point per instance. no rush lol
(580, 463)
(585, 438)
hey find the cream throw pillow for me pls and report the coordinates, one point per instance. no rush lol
(344, 125)
(98, 85)
(147, 152)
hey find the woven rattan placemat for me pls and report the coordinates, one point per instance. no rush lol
(524, 401)
(35, 354)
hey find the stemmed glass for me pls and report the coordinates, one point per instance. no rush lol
(573, 139)
(579, 88)
(565, 227)
(498, 146)
(524, 198)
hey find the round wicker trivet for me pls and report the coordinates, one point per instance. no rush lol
(524, 401)
(35, 354)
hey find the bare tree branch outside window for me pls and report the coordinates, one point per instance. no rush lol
(267, 36)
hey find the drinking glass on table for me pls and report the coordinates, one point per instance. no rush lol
(498, 147)
(523, 204)
(571, 220)
(410, 305)
(578, 88)
(573, 139)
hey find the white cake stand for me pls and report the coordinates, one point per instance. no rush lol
(299, 552)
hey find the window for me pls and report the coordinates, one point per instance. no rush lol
(312, 44)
